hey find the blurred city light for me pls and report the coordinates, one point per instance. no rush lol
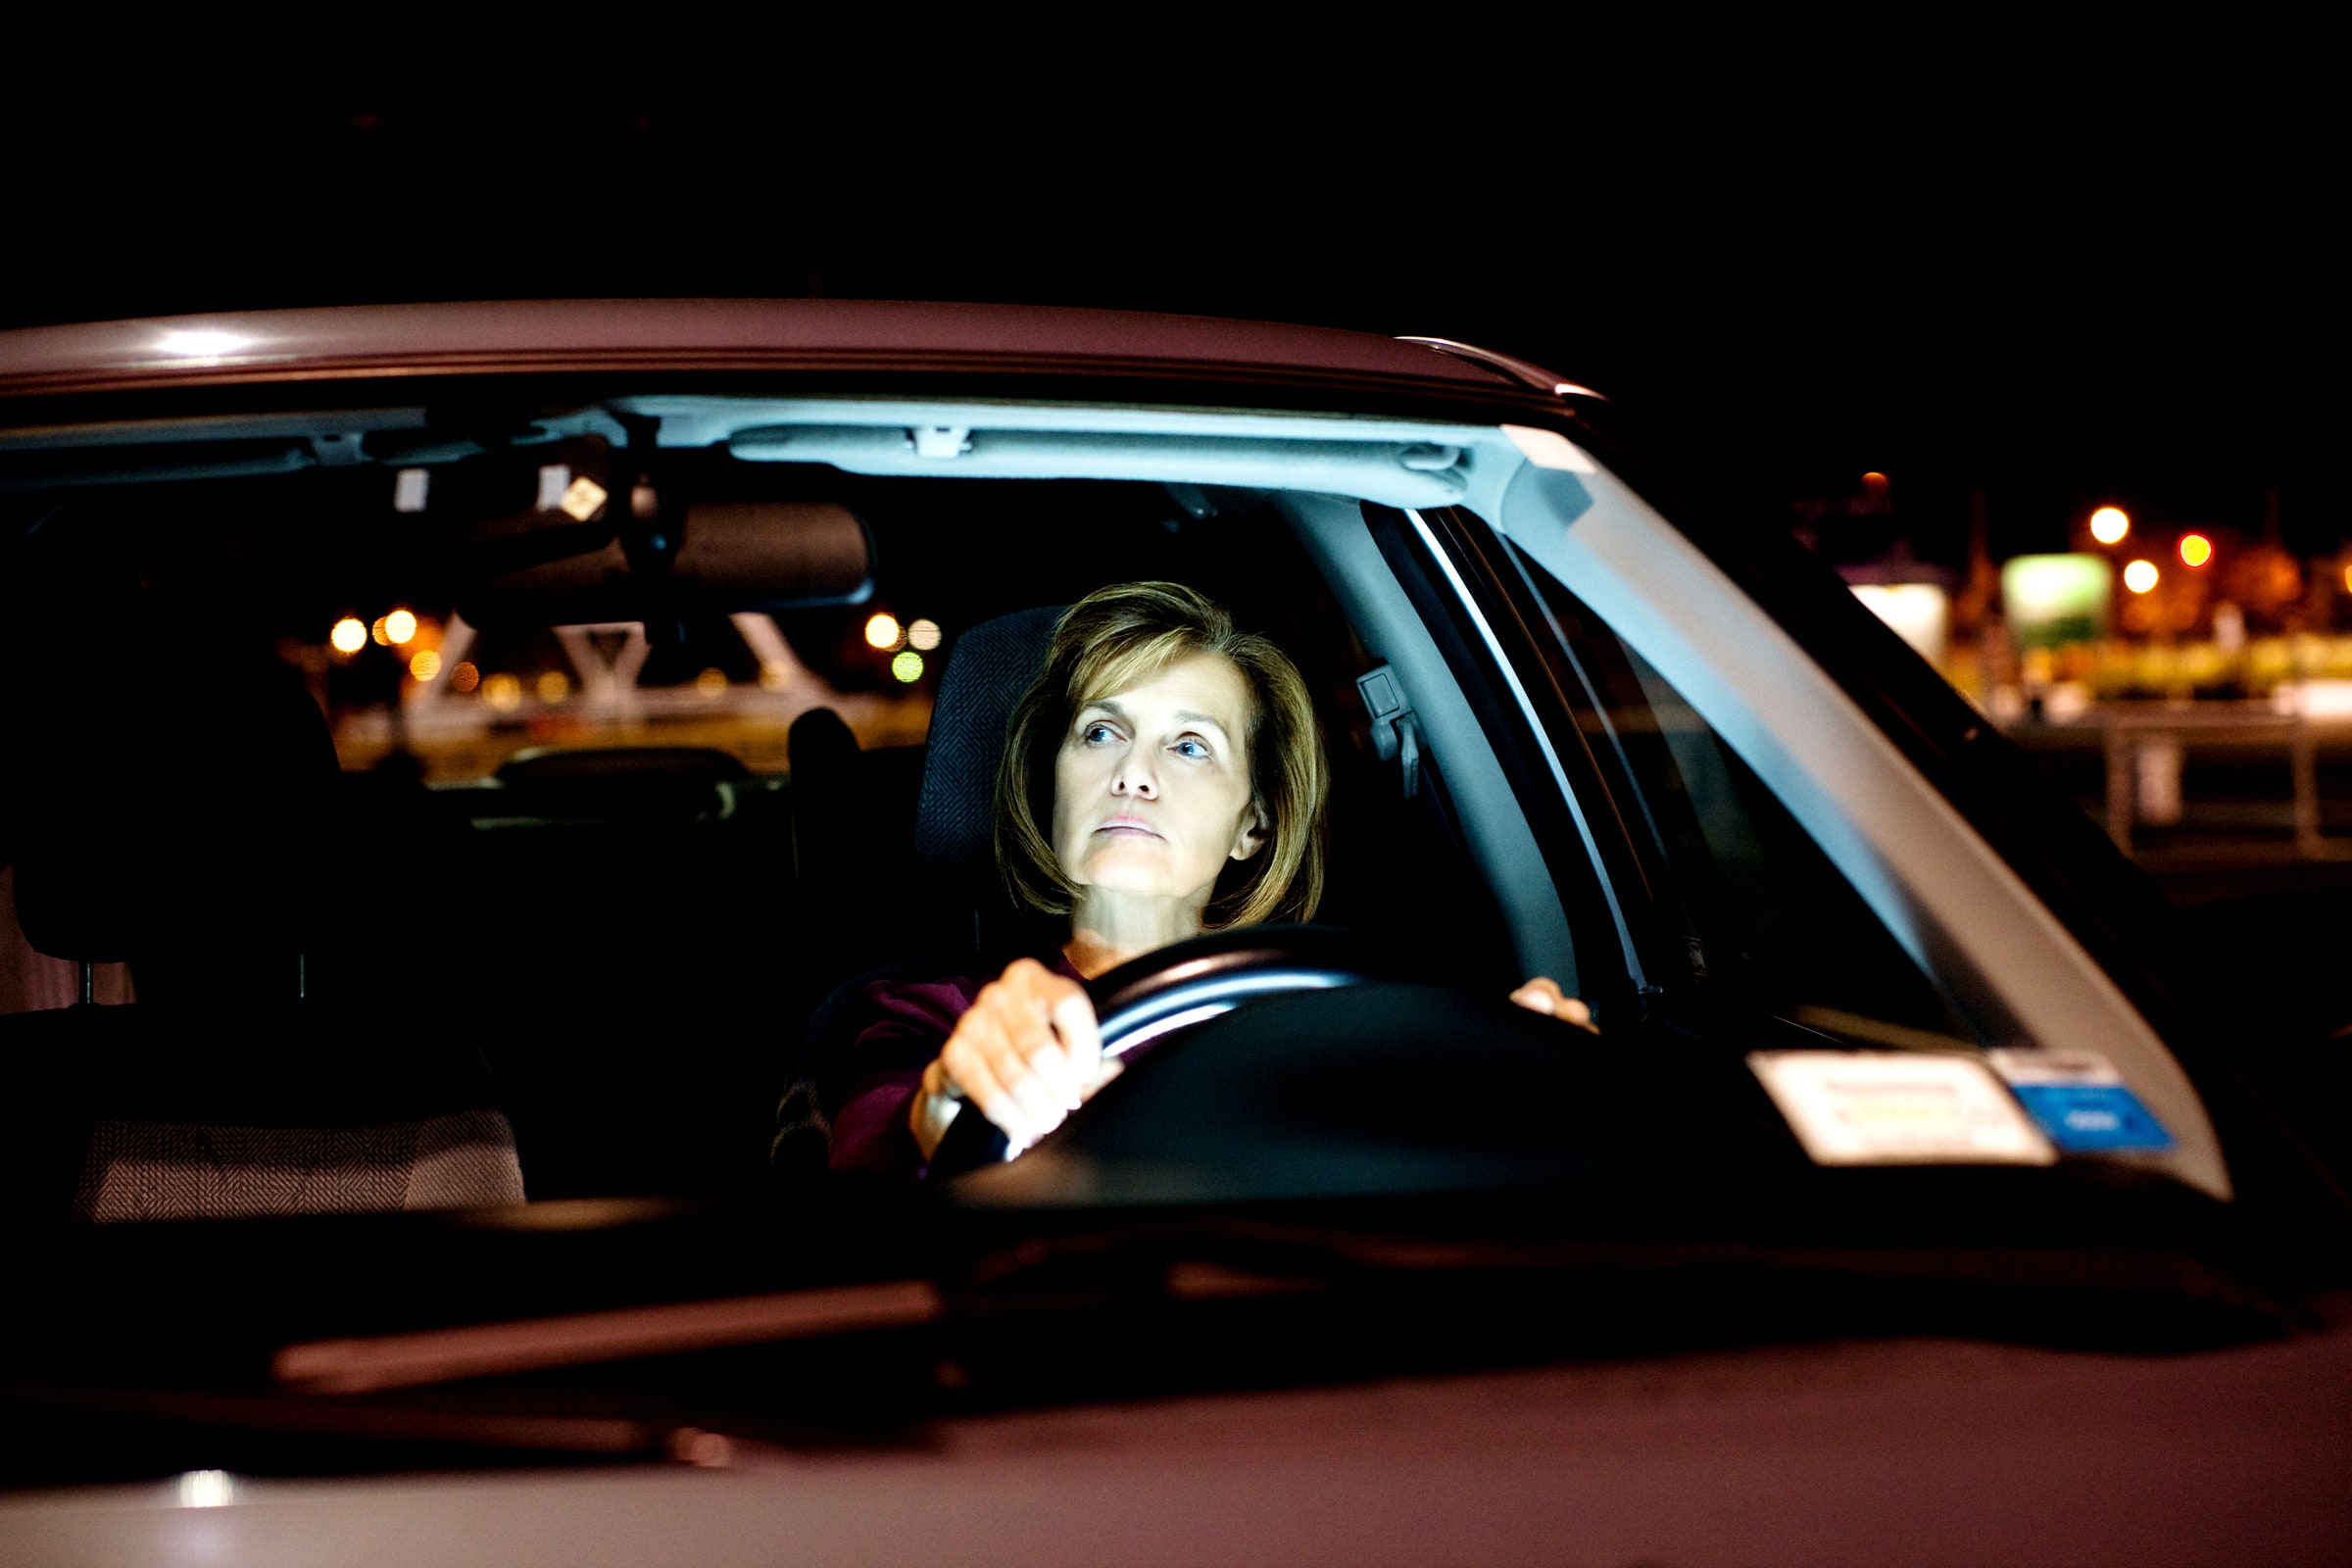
(882, 631)
(710, 685)
(503, 692)
(381, 633)
(2195, 550)
(350, 635)
(924, 635)
(425, 665)
(775, 675)
(908, 667)
(1920, 612)
(2141, 576)
(552, 686)
(465, 677)
(2054, 599)
(583, 499)
(2109, 524)
(206, 1488)
(401, 627)
(1875, 482)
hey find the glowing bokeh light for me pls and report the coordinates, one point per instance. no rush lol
(382, 636)
(401, 627)
(1874, 481)
(908, 667)
(465, 677)
(2109, 524)
(207, 1489)
(425, 665)
(2052, 601)
(503, 692)
(922, 636)
(552, 686)
(350, 635)
(2195, 550)
(2141, 576)
(1920, 612)
(882, 631)
(710, 685)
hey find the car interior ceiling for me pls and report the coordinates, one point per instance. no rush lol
(615, 946)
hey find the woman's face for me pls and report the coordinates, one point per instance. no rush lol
(1152, 785)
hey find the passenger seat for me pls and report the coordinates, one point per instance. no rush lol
(222, 1092)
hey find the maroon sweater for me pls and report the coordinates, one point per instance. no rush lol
(906, 1023)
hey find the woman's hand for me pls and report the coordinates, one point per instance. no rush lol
(1026, 1054)
(1546, 996)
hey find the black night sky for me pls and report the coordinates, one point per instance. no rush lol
(2057, 296)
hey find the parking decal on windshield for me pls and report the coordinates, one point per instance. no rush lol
(1864, 1107)
(2080, 1100)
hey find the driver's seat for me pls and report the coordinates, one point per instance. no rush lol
(966, 912)
(987, 670)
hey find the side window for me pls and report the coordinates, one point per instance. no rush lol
(1771, 919)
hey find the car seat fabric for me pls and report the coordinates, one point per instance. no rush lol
(987, 670)
(164, 1170)
(161, 1112)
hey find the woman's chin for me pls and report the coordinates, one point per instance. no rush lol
(1132, 869)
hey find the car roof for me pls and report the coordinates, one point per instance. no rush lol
(790, 334)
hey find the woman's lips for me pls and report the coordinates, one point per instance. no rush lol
(1126, 825)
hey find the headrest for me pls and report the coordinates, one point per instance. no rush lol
(987, 670)
(822, 749)
(170, 807)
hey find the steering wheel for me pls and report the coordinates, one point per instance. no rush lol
(1146, 1000)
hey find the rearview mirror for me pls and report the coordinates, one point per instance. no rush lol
(718, 558)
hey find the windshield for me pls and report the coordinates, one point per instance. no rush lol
(511, 807)
(566, 658)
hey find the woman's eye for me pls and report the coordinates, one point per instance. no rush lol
(1094, 734)
(1188, 747)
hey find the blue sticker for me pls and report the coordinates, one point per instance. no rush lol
(2085, 1118)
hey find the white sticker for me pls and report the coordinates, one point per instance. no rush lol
(407, 489)
(1548, 449)
(1863, 1107)
(2083, 1067)
(584, 498)
(555, 478)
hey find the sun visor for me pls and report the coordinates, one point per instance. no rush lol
(718, 558)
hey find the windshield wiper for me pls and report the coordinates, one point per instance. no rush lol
(376, 1362)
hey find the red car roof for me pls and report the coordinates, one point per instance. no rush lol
(707, 334)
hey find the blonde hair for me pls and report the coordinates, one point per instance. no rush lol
(1106, 643)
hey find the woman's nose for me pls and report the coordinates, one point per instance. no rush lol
(1134, 778)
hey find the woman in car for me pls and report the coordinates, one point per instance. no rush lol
(1164, 776)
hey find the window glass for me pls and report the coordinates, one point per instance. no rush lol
(1770, 917)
